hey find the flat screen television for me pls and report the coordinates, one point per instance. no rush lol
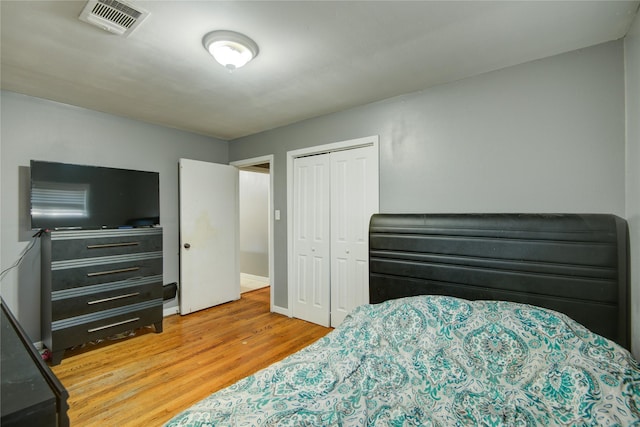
(68, 196)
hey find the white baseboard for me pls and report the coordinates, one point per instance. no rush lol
(170, 311)
(280, 310)
(261, 279)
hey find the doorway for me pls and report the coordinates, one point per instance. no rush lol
(254, 227)
(256, 236)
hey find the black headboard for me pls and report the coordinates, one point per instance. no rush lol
(575, 264)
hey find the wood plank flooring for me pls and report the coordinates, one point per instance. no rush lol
(147, 379)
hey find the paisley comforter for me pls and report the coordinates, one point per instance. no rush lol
(438, 361)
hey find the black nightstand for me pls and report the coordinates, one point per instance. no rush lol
(31, 395)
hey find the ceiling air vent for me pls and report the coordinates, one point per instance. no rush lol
(117, 17)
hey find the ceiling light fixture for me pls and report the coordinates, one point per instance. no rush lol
(232, 50)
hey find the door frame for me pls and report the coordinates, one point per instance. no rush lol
(366, 141)
(247, 163)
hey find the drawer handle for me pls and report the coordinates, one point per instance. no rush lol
(122, 270)
(112, 245)
(98, 301)
(113, 324)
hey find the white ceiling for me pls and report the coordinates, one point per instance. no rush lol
(316, 57)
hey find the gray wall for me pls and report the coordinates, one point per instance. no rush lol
(254, 223)
(632, 74)
(34, 128)
(545, 136)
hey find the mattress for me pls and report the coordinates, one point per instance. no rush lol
(438, 360)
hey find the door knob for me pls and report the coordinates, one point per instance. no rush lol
(187, 246)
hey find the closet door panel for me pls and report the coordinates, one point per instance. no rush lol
(354, 198)
(312, 239)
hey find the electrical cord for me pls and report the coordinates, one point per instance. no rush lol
(26, 251)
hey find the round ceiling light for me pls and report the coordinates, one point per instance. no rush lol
(232, 50)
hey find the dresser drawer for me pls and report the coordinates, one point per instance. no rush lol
(89, 299)
(93, 271)
(101, 243)
(69, 332)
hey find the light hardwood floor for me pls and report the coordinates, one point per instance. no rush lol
(147, 379)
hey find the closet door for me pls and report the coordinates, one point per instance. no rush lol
(354, 198)
(311, 239)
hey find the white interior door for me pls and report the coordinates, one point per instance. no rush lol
(354, 198)
(311, 239)
(209, 265)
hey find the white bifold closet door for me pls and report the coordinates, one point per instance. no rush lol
(335, 195)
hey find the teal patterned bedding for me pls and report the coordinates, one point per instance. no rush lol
(438, 361)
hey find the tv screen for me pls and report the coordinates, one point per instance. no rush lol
(77, 196)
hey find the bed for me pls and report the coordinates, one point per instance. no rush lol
(474, 320)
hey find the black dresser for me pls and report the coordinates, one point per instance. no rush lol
(31, 395)
(98, 283)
